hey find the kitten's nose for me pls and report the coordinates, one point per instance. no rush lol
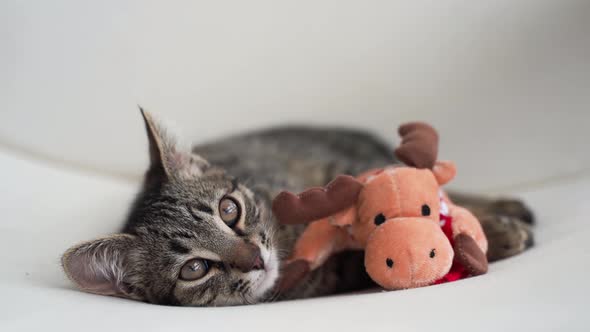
(258, 263)
(247, 258)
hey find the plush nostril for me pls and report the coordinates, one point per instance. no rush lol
(425, 210)
(432, 253)
(389, 262)
(379, 219)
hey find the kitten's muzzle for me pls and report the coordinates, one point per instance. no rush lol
(246, 257)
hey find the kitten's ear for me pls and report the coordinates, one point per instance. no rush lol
(160, 145)
(100, 266)
(165, 159)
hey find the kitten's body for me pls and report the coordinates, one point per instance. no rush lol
(176, 219)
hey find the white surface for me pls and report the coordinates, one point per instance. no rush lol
(514, 74)
(46, 210)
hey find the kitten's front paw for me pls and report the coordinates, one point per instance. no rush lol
(512, 208)
(507, 236)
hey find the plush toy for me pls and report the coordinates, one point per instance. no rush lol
(411, 232)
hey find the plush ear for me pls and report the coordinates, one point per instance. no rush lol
(100, 266)
(165, 159)
(444, 171)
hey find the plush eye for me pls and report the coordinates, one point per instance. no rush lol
(229, 210)
(389, 262)
(194, 269)
(425, 210)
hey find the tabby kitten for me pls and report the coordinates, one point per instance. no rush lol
(200, 232)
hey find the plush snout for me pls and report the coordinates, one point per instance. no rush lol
(408, 252)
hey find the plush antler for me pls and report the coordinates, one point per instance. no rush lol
(419, 146)
(316, 203)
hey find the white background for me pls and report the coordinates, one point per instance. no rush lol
(506, 82)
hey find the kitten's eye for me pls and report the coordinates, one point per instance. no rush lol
(229, 210)
(194, 269)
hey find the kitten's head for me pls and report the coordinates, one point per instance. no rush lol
(195, 236)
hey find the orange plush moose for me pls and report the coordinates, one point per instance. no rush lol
(412, 234)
